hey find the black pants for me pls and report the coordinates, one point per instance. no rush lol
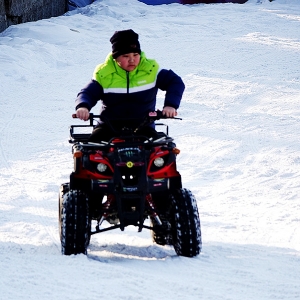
(104, 132)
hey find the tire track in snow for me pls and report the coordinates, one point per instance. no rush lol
(4, 133)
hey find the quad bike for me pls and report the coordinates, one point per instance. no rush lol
(125, 181)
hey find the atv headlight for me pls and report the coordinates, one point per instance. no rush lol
(101, 167)
(159, 162)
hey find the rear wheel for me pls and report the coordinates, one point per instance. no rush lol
(186, 228)
(64, 188)
(161, 234)
(75, 223)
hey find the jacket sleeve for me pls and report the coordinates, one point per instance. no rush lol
(170, 82)
(89, 95)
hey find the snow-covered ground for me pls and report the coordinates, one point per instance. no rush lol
(239, 141)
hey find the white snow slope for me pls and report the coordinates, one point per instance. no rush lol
(239, 141)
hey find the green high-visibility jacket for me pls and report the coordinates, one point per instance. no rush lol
(130, 95)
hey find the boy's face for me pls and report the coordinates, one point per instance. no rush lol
(128, 61)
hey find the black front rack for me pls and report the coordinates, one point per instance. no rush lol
(79, 137)
(84, 137)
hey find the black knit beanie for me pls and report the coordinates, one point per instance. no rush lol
(125, 41)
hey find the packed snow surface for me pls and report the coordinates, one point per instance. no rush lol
(239, 142)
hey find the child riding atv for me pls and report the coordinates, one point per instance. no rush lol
(125, 172)
(127, 84)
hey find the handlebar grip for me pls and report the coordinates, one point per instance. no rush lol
(74, 116)
(157, 115)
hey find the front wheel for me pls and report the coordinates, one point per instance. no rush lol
(75, 223)
(186, 230)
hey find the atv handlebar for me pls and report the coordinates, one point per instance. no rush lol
(152, 116)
